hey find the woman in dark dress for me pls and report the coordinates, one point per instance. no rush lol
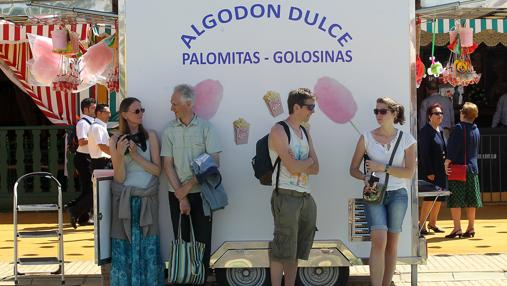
(464, 138)
(432, 152)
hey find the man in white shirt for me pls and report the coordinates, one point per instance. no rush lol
(98, 139)
(79, 209)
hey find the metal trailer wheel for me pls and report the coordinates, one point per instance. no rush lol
(323, 276)
(242, 276)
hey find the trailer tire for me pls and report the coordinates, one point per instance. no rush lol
(323, 276)
(243, 276)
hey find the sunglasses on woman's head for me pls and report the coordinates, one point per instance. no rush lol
(437, 113)
(382, 111)
(139, 110)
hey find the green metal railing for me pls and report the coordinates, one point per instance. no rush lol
(25, 149)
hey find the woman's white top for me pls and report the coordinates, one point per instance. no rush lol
(381, 153)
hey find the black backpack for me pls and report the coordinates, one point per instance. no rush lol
(261, 162)
(72, 140)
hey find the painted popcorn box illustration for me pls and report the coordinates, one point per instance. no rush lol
(274, 103)
(241, 130)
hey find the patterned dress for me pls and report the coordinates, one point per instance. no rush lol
(138, 262)
(465, 195)
(463, 145)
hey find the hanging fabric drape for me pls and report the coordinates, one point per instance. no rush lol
(61, 108)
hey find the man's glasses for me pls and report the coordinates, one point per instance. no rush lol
(139, 110)
(310, 107)
(437, 113)
(382, 111)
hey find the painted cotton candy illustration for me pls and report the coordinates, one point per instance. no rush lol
(335, 100)
(208, 94)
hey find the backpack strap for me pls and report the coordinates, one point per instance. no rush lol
(304, 131)
(85, 119)
(278, 161)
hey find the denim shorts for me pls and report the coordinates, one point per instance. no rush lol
(389, 214)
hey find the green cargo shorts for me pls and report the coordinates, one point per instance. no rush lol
(295, 217)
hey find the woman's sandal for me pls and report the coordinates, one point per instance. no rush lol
(435, 229)
(453, 234)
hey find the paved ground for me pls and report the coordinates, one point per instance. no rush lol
(440, 270)
(485, 262)
(491, 236)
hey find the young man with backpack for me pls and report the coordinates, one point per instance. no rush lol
(80, 208)
(294, 211)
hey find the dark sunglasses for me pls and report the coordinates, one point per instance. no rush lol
(139, 110)
(437, 113)
(382, 111)
(310, 107)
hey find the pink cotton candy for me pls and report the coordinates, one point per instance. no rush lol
(335, 100)
(208, 94)
(45, 64)
(41, 46)
(96, 60)
(43, 70)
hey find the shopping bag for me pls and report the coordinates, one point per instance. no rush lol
(186, 263)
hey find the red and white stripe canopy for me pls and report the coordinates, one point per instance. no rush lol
(60, 108)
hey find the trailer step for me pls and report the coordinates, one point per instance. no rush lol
(38, 261)
(38, 271)
(38, 234)
(37, 207)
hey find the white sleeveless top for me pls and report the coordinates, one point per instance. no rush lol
(380, 153)
(298, 181)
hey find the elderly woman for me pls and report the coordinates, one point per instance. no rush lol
(135, 243)
(464, 143)
(432, 151)
(385, 219)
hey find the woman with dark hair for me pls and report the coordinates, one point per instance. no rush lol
(385, 219)
(135, 242)
(432, 153)
(463, 148)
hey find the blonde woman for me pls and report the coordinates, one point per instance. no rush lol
(463, 148)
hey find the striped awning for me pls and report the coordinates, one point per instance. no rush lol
(59, 107)
(478, 25)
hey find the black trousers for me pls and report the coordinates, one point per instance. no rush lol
(84, 203)
(202, 224)
(100, 163)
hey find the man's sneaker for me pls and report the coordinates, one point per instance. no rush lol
(88, 222)
(73, 222)
(73, 219)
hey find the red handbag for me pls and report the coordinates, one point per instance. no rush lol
(458, 172)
